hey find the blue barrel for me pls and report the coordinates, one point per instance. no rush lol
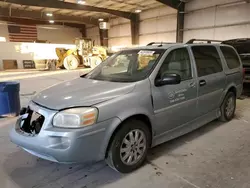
(9, 98)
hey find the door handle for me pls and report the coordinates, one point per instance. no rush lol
(203, 82)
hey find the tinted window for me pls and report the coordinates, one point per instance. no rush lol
(207, 60)
(231, 57)
(177, 62)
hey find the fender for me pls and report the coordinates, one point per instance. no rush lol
(226, 90)
(118, 122)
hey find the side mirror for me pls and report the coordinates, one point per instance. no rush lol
(168, 79)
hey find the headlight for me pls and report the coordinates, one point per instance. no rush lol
(75, 118)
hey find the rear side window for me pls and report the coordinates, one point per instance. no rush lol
(207, 60)
(231, 57)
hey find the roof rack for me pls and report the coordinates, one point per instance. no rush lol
(202, 40)
(158, 43)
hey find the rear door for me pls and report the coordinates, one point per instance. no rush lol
(234, 70)
(211, 77)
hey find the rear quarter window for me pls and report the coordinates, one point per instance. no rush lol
(207, 60)
(231, 57)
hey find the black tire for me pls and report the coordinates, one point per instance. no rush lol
(224, 115)
(113, 158)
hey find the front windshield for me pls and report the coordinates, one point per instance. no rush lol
(126, 66)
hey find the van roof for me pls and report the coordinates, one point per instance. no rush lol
(166, 46)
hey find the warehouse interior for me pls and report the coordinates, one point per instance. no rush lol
(203, 19)
(48, 42)
(123, 23)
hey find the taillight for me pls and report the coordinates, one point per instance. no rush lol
(244, 72)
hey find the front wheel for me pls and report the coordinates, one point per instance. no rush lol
(228, 107)
(129, 147)
(70, 62)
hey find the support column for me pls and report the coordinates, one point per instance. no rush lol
(180, 23)
(134, 23)
(103, 37)
(83, 31)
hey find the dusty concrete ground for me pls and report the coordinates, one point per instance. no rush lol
(214, 156)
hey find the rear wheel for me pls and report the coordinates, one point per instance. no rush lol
(70, 62)
(129, 147)
(228, 107)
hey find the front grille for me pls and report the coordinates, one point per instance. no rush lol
(33, 123)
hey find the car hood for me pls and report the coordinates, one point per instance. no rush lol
(81, 92)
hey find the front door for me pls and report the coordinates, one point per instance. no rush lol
(211, 78)
(175, 105)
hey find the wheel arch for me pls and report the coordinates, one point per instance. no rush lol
(142, 117)
(232, 87)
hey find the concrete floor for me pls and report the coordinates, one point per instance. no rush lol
(214, 156)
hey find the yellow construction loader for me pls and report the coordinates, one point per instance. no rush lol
(85, 54)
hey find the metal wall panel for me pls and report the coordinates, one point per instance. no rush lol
(233, 14)
(120, 41)
(199, 34)
(52, 33)
(200, 4)
(225, 33)
(220, 19)
(120, 30)
(158, 24)
(153, 13)
(58, 34)
(159, 37)
(201, 18)
(93, 33)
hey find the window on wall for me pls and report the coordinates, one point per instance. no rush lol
(231, 57)
(207, 60)
(2, 39)
(177, 62)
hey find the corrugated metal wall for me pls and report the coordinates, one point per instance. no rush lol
(155, 25)
(93, 33)
(158, 25)
(211, 19)
(120, 32)
(217, 19)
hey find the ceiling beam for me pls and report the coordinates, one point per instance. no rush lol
(23, 21)
(171, 3)
(37, 15)
(71, 6)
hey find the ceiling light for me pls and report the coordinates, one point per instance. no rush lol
(81, 2)
(51, 21)
(49, 14)
(101, 19)
(138, 10)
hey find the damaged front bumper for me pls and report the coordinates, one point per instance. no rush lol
(63, 145)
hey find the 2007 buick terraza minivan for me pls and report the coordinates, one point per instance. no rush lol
(136, 99)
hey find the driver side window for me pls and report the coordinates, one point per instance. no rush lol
(177, 62)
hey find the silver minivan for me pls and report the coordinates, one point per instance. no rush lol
(136, 99)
